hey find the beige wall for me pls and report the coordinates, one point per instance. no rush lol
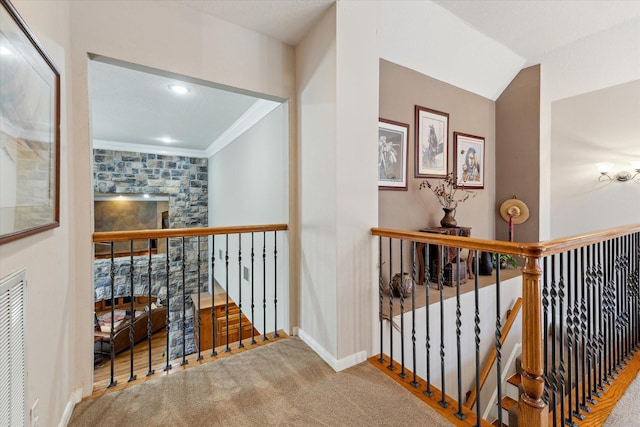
(163, 35)
(518, 152)
(400, 90)
(47, 256)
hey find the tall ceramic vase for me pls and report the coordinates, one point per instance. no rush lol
(448, 220)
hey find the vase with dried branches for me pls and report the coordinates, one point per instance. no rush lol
(450, 193)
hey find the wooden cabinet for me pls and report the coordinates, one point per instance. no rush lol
(448, 254)
(214, 329)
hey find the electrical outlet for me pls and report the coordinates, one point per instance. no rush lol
(35, 416)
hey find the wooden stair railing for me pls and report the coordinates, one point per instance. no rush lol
(486, 370)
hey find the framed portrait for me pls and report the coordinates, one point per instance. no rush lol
(431, 142)
(469, 160)
(392, 155)
(29, 131)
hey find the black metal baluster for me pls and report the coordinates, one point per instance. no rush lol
(476, 330)
(617, 314)
(545, 328)
(600, 311)
(240, 345)
(275, 285)
(443, 402)
(562, 370)
(570, 337)
(498, 344)
(427, 392)
(168, 270)
(213, 284)
(150, 371)
(591, 332)
(584, 327)
(264, 286)
(414, 382)
(391, 366)
(112, 275)
(132, 314)
(226, 306)
(200, 357)
(554, 331)
(253, 318)
(459, 414)
(400, 287)
(576, 324)
(381, 299)
(609, 313)
(184, 307)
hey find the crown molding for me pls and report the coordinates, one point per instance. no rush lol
(102, 144)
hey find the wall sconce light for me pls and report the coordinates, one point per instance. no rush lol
(622, 176)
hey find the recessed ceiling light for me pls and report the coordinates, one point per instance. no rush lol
(5, 51)
(167, 139)
(179, 89)
(146, 196)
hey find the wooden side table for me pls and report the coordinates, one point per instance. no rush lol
(435, 267)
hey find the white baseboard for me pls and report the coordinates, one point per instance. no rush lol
(337, 364)
(76, 396)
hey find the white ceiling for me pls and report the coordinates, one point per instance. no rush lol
(134, 106)
(532, 28)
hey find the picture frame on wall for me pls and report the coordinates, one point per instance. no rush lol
(392, 155)
(431, 143)
(469, 160)
(29, 131)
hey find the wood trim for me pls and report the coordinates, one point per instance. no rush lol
(484, 374)
(122, 236)
(448, 413)
(537, 249)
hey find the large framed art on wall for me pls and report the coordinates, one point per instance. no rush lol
(29, 131)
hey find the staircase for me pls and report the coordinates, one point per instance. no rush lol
(512, 390)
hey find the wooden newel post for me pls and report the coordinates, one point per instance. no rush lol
(532, 411)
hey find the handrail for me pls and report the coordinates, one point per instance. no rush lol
(532, 409)
(484, 374)
(121, 236)
(536, 249)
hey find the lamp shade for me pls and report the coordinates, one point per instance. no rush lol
(604, 167)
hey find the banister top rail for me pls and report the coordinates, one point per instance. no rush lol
(121, 236)
(538, 249)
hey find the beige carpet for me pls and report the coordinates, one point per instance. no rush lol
(283, 383)
(627, 411)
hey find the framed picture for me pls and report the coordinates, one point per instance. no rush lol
(392, 155)
(29, 131)
(432, 143)
(469, 160)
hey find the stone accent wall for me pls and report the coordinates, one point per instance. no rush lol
(185, 181)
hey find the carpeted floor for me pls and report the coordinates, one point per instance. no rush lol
(627, 410)
(287, 384)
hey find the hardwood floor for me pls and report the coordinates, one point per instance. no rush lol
(122, 366)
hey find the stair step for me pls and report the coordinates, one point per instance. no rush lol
(515, 380)
(495, 423)
(507, 403)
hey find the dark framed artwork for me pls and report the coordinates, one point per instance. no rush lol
(431, 143)
(29, 131)
(392, 155)
(469, 160)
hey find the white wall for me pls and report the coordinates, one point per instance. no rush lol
(316, 79)
(248, 185)
(48, 256)
(586, 129)
(576, 133)
(338, 110)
